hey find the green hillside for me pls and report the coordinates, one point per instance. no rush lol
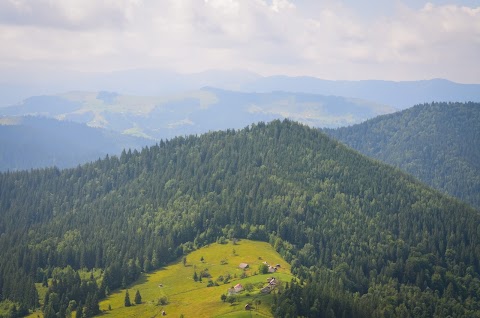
(193, 298)
(364, 239)
(439, 143)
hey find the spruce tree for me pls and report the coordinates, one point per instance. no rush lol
(91, 305)
(79, 312)
(127, 299)
(49, 312)
(138, 297)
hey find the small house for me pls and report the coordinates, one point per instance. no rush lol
(238, 288)
(243, 266)
(272, 269)
(248, 307)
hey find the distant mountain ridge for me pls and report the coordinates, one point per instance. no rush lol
(195, 112)
(37, 142)
(148, 82)
(400, 95)
(439, 143)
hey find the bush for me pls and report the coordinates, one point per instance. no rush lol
(205, 273)
(162, 301)
(263, 269)
(248, 287)
(231, 299)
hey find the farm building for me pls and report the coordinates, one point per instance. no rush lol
(243, 265)
(238, 288)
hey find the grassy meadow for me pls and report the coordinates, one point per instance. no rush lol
(194, 299)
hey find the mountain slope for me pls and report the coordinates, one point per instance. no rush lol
(345, 223)
(35, 142)
(195, 112)
(438, 143)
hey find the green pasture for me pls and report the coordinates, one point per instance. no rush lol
(195, 299)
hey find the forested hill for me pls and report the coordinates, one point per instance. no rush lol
(439, 143)
(37, 142)
(369, 240)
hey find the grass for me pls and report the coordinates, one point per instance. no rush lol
(195, 299)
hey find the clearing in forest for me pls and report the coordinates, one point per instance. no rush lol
(174, 291)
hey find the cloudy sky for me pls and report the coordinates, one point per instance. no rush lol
(350, 39)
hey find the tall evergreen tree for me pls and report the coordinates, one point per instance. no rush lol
(79, 312)
(91, 305)
(127, 299)
(138, 297)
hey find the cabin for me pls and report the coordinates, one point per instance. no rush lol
(248, 307)
(272, 269)
(243, 266)
(238, 288)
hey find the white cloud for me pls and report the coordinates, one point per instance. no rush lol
(325, 39)
(278, 5)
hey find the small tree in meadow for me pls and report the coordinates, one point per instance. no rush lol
(231, 299)
(127, 299)
(162, 301)
(138, 298)
(263, 269)
(249, 287)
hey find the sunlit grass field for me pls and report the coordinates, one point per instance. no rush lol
(194, 299)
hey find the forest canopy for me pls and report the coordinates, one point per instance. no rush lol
(439, 143)
(365, 239)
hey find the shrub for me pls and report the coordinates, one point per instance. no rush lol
(162, 301)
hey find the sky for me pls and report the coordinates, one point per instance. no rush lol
(336, 40)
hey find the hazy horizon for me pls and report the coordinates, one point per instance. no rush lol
(405, 40)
